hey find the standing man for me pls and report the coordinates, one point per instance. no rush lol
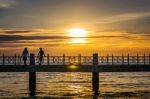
(41, 54)
(25, 55)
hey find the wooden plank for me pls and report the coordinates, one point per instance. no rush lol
(79, 68)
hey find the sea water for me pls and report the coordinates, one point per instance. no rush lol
(119, 85)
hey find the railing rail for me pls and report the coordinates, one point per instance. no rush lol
(80, 60)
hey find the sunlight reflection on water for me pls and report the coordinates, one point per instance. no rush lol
(76, 84)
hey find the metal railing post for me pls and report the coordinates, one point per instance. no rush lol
(112, 59)
(128, 59)
(137, 59)
(47, 59)
(3, 59)
(144, 58)
(149, 59)
(107, 58)
(15, 59)
(79, 59)
(64, 59)
(122, 59)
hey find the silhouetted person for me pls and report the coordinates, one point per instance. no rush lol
(41, 54)
(25, 55)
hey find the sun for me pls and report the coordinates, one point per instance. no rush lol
(77, 32)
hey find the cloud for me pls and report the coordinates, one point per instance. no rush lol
(7, 3)
(20, 37)
(36, 41)
(24, 32)
(4, 45)
(123, 17)
(56, 39)
(41, 34)
(15, 31)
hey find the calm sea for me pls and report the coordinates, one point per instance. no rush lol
(77, 85)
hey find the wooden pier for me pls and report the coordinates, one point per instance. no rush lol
(93, 64)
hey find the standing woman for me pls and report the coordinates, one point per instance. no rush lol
(25, 55)
(41, 54)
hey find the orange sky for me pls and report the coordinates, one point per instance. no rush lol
(113, 26)
(59, 43)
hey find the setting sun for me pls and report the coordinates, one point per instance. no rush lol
(77, 32)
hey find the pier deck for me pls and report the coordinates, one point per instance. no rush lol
(93, 64)
(74, 68)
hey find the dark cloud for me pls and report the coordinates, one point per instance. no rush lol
(107, 37)
(36, 31)
(148, 35)
(28, 44)
(19, 37)
(138, 33)
(15, 31)
(27, 39)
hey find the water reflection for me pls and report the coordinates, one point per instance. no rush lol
(73, 67)
(77, 85)
(95, 96)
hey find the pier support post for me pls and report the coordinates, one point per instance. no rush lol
(32, 76)
(95, 75)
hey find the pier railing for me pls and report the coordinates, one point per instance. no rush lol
(79, 60)
(108, 63)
